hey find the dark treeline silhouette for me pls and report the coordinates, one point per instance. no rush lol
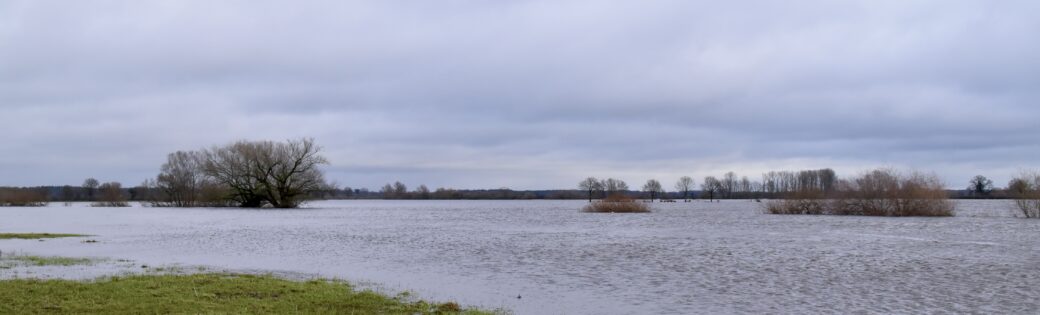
(110, 194)
(255, 174)
(23, 197)
(400, 191)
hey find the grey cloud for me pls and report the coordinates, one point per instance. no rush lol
(525, 94)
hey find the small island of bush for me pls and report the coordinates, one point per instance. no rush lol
(881, 192)
(616, 204)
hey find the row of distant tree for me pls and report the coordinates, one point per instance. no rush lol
(775, 185)
(400, 191)
(284, 174)
(728, 186)
(110, 194)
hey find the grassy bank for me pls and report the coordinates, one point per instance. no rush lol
(34, 236)
(204, 294)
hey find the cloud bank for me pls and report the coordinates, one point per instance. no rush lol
(522, 94)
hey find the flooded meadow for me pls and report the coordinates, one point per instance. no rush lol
(546, 257)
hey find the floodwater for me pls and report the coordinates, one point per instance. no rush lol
(545, 257)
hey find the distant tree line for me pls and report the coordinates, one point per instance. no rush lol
(110, 194)
(399, 190)
(22, 197)
(284, 174)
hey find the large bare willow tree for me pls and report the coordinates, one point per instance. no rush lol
(245, 173)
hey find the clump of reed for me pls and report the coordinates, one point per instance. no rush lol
(881, 192)
(616, 204)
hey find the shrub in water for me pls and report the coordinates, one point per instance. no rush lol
(881, 192)
(1025, 189)
(617, 203)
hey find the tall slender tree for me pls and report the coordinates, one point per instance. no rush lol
(653, 187)
(685, 184)
(712, 186)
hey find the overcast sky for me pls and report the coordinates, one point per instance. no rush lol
(523, 94)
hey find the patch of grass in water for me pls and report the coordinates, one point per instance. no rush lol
(49, 261)
(205, 294)
(34, 236)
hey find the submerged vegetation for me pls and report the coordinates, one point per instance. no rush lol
(205, 294)
(881, 192)
(34, 236)
(46, 260)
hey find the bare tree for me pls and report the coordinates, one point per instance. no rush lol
(612, 186)
(279, 174)
(181, 179)
(653, 187)
(590, 185)
(980, 186)
(233, 167)
(712, 186)
(729, 184)
(295, 172)
(685, 184)
(422, 192)
(387, 191)
(745, 187)
(400, 190)
(111, 195)
(91, 186)
(1025, 189)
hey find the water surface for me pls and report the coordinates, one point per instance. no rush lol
(683, 258)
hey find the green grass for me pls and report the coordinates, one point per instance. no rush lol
(33, 236)
(49, 261)
(204, 294)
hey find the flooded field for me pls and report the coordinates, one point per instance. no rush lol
(545, 257)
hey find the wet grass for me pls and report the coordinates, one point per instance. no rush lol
(34, 236)
(205, 294)
(40, 261)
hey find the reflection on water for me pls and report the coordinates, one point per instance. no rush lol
(684, 258)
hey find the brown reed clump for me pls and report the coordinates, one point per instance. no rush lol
(617, 204)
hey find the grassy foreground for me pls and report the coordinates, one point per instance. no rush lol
(34, 236)
(204, 294)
